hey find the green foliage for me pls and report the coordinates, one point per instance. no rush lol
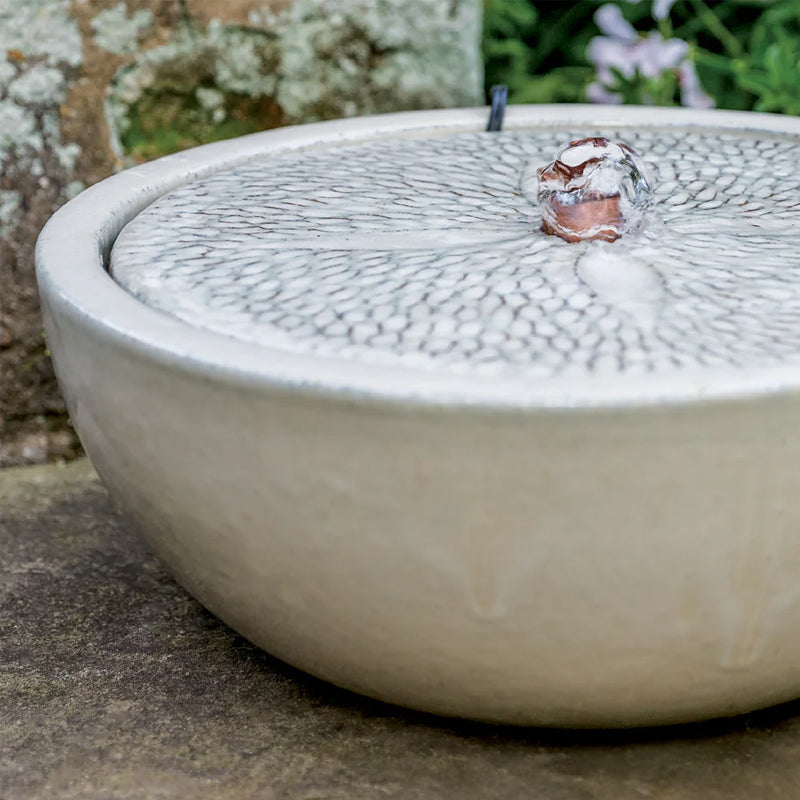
(167, 119)
(747, 52)
(528, 47)
(560, 85)
(771, 69)
(641, 90)
(763, 73)
(507, 26)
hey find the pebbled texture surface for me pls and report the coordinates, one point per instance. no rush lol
(426, 252)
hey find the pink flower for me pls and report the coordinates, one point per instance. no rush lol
(650, 55)
(597, 93)
(661, 8)
(624, 49)
(610, 20)
(692, 94)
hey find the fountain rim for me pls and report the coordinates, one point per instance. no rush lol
(73, 250)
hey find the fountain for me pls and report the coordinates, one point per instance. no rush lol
(376, 418)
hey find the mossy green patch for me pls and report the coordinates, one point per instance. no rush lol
(165, 119)
(201, 87)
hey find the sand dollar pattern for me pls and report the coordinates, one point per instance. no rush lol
(427, 252)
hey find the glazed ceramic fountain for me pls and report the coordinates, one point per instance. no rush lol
(380, 422)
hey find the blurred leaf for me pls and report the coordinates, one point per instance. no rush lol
(562, 85)
(507, 54)
(640, 90)
(771, 70)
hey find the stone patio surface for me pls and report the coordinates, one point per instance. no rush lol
(114, 683)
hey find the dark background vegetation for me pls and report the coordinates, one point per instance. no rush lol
(747, 52)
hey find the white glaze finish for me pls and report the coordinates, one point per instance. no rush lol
(477, 548)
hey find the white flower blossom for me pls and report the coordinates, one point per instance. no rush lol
(692, 93)
(597, 93)
(624, 49)
(612, 23)
(661, 8)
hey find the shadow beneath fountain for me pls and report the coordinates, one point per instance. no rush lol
(109, 667)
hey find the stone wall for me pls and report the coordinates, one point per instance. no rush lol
(88, 87)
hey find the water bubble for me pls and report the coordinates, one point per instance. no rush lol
(594, 189)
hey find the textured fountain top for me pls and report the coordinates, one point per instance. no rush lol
(425, 251)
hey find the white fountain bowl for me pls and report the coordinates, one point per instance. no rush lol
(505, 550)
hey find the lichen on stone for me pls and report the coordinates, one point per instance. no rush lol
(41, 47)
(313, 59)
(10, 202)
(41, 55)
(342, 57)
(203, 85)
(38, 86)
(118, 32)
(40, 29)
(87, 87)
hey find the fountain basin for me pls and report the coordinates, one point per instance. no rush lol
(537, 541)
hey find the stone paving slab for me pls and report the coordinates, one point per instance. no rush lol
(114, 683)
